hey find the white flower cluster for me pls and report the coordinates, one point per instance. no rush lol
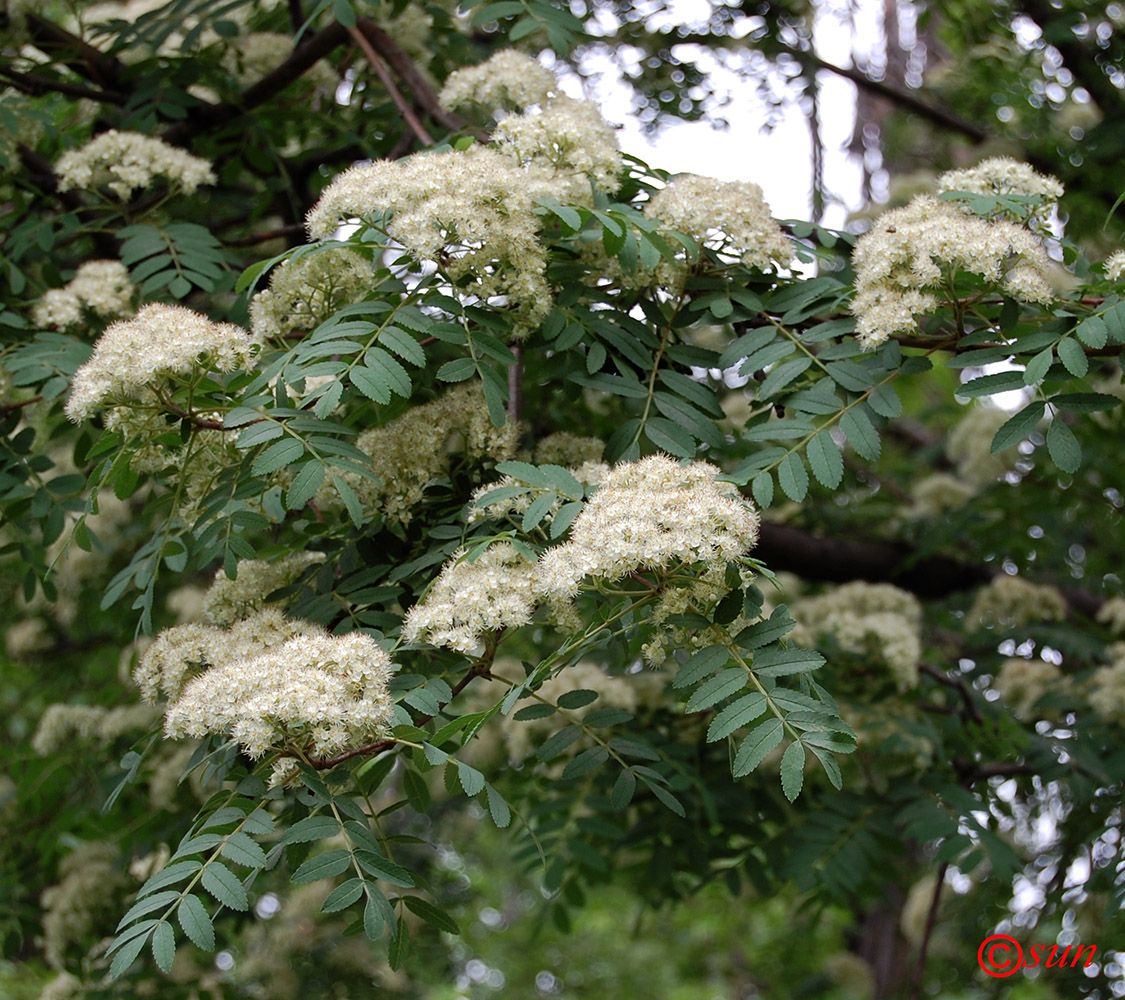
(416, 449)
(1009, 600)
(1112, 615)
(25, 639)
(124, 162)
(653, 514)
(1022, 683)
(180, 652)
(65, 986)
(969, 446)
(473, 211)
(102, 286)
(730, 217)
(90, 880)
(1115, 266)
(495, 590)
(573, 138)
(876, 619)
(306, 291)
(314, 694)
(469, 210)
(563, 448)
(508, 80)
(901, 264)
(1001, 175)
(228, 601)
(160, 342)
(650, 514)
(75, 568)
(62, 725)
(252, 56)
(936, 495)
(1108, 695)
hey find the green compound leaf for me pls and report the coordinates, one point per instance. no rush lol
(623, 790)
(164, 946)
(311, 828)
(793, 770)
(793, 477)
(242, 850)
(343, 896)
(431, 914)
(324, 865)
(1073, 357)
(225, 886)
(721, 686)
(736, 715)
(826, 461)
(1063, 446)
(756, 747)
(196, 922)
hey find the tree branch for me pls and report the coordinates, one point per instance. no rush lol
(304, 56)
(87, 61)
(37, 86)
(415, 82)
(903, 98)
(281, 232)
(388, 83)
(970, 712)
(840, 560)
(931, 919)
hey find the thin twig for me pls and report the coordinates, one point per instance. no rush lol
(388, 83)
(8, 407)
(37, 86)
(418, 86)
(254, 239)
(480, 669)
(306, 55)
(89, 62)
(971, 711)
(931, 919)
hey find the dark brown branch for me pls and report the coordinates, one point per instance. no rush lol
(304, 56)
(970, 773)
(931, 919)
(85, 60)
(840, 560)
(388, 83)
(8, 407)
(37, 86)
(902, 98)
(296, 15)
(970, 710)
(415, 82)
(201, 422)
(281, 232)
